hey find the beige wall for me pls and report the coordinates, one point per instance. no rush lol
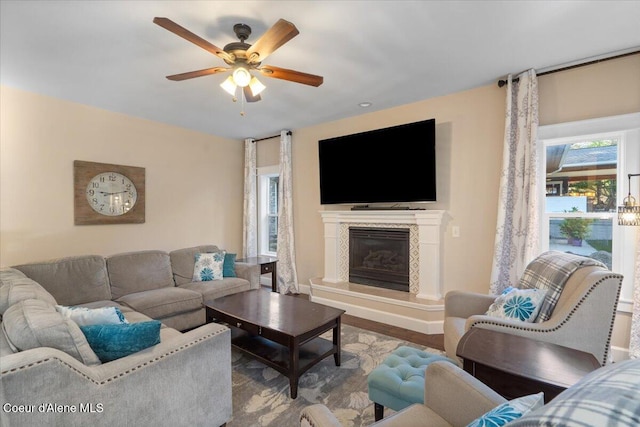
(188, 203)
(609, 88)
(470, 128)
(193, 181)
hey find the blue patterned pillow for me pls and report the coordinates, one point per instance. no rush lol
(518, 304)
(229, 265)
(509, 411)
(208, 266)
(84, 316)
(111, 342)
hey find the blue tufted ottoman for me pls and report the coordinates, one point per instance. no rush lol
(399, 380)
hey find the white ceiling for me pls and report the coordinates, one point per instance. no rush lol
(110, 55)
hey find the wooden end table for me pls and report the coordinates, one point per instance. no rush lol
(515, 366)
(281, 331)
(267, 265)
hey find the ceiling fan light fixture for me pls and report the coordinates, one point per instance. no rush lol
(229, 86)
(256, 86)
(241, 76)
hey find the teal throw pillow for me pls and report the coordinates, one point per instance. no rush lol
(518, 304)
(111, 342)
(229, 265)
(509, 411)
(208, 266)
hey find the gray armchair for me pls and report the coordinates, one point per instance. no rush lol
(582, 319)
(445, 383)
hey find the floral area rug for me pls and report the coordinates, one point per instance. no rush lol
(261, 394)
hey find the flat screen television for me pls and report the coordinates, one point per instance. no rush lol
(390, 165)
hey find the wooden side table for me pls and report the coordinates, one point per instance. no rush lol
(515, 366)
(267, 265)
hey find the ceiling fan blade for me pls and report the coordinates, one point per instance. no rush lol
(248, 96)
(291, 75)
(280, 33)
(199, 73)
(168, 24)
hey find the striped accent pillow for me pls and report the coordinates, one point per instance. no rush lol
(609, 396)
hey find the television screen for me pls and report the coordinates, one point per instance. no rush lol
(390, 165)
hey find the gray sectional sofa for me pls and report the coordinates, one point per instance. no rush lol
(183, 380)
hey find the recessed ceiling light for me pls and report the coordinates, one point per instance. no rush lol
(365, 104)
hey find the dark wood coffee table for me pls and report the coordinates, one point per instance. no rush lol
(515, 366)
(281, 331)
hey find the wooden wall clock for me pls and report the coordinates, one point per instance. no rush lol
(108, 194)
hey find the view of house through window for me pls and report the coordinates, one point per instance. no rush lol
(268, 180)
(272, 213)
(580, 202)
(584, 179)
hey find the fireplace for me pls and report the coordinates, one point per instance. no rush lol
(379, 257)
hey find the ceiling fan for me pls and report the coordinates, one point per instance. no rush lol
(242, 58)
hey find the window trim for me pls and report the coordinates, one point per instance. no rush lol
(621, 127)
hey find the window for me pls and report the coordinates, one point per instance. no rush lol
(584, 168)
(268, 180)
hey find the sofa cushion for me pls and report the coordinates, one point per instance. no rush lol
(139, 271)
(72, 280)
(22, 288)
(509, 411)
(111, 342)
(84, 316)
(165, 302)
(183, 261)
(208, 266)
(218, 288)
(34, 323)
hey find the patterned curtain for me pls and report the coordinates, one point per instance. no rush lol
(287, 276)
(517, 229)
(250, 214)
(634, 344)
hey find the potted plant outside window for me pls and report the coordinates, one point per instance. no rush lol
(575, 229)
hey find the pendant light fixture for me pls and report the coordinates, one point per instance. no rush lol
(629, 211)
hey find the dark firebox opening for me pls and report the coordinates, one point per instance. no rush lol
(379, 257)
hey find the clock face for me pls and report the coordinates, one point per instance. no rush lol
(111, 194)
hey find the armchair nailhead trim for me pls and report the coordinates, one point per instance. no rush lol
(121, 374)
(566, 319)
(307, 419)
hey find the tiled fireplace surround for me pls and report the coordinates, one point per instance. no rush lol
(421, 309)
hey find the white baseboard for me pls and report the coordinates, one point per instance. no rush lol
(304, 289)
(398, 320)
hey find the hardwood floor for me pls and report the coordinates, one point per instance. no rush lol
(434, 341)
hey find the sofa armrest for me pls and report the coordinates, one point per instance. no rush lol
(455, 395)
(318, 415)
(185, 380)
(466, 304)
(250, 272)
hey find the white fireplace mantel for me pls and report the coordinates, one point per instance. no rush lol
(429, 225)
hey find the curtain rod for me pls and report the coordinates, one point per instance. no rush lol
(271, 137)
(635, 51)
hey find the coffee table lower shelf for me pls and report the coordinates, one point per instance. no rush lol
(278, 356)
